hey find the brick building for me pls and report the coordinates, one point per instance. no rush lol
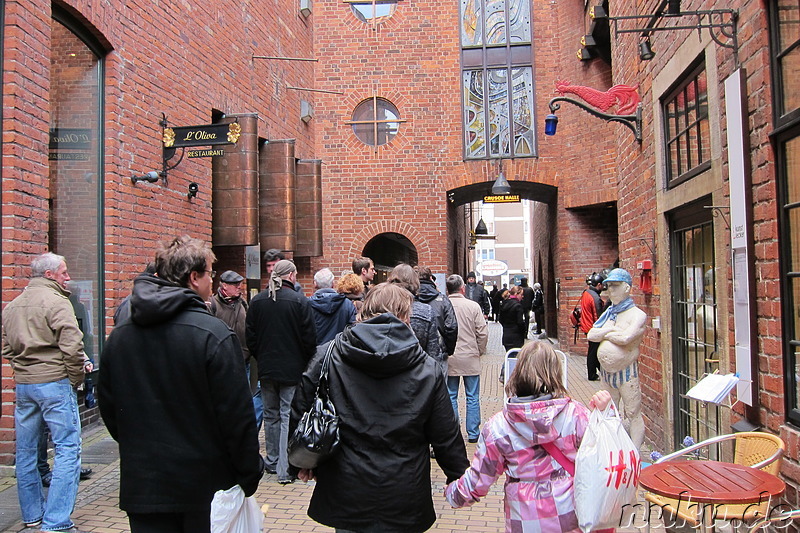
(406, 113)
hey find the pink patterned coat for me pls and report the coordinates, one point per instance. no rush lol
(538, 492)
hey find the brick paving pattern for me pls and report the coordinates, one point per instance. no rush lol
(96, 509)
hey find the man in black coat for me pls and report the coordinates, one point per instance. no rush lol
(477, 293)
(527, 302)
(174, 394)
(442, 308)
(281, 334)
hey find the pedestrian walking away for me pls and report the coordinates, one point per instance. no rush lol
(392, 403)
(539, 430)
(283, 337)
(465, 363)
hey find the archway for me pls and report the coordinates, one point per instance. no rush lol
(521, 240)
(388, 250)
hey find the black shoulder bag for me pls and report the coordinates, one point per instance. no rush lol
(317, 433)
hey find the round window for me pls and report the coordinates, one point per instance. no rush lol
(375, 121)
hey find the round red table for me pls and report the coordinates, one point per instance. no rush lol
(710, 482)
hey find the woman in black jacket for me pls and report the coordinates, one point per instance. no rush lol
(393, 403)
(512, 319)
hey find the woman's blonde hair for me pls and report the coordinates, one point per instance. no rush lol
(387, 298)
(513, 291)
(538, 371)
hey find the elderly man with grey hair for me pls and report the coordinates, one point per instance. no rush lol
(332, 311)
(43, 343)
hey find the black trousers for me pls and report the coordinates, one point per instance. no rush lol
(592, 363)
(526, 315)
(198, 521)
(539, 317)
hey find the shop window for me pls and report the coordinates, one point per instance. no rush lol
(686, 128)
(785, 51)
(497, 79)
(76, 176)
(375, 121)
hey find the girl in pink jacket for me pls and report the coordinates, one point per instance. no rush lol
(537, 415)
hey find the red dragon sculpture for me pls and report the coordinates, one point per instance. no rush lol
(624, 96)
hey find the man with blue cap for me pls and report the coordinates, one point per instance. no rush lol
(619, 331)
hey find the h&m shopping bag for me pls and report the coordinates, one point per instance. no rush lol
(232, 512)
(606, 472)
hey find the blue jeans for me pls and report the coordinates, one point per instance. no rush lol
(472, 386)
(54, 404)
(277, 408)
(258, 402)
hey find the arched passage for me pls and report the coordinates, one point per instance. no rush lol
(528, 252)
(387, 250)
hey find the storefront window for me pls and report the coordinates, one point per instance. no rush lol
(76, 178)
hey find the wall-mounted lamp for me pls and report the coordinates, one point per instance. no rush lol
(550, 124)
(597, 12)
(193, 188)
(585, 54)
(151, 177)
(481, 228)
(673, 8)
(305, 8)
(588, 40)
(645, 50)
(626, 97)
(306, 111)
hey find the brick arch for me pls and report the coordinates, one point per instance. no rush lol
(391, 226)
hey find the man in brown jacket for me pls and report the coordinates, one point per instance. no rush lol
(465, 361)
(43, 343)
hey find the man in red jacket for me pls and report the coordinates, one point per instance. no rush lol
(591, 308)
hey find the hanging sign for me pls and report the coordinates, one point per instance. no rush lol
(207, 135)
(492, 267)
(501, 199)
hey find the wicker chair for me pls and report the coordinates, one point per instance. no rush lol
(765, 522)
(755, 449)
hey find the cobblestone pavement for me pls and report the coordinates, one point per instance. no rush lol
(96, 509)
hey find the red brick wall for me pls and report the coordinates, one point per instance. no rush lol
(184, 62)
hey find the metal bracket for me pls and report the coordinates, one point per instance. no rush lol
(711, 20)
(716, 211)
(633, 122)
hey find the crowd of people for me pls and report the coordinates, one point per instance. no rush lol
(190, 375)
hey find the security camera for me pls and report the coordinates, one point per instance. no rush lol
(151, 177)
(193, 188)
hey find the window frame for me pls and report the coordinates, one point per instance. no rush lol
(375, 121)
(787, 129)
(690, 77)
(79, 29)
(486, 57)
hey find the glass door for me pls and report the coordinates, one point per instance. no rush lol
(694, 320)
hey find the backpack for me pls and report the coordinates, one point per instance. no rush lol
(575, 320)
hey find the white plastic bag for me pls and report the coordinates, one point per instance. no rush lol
(231, 512)
(606, 472)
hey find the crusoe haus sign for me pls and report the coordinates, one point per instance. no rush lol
(207, 135)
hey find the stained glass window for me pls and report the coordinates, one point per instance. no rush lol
(497, 79)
